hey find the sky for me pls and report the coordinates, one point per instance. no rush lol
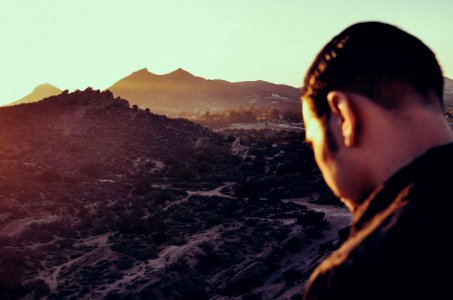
(76, 44)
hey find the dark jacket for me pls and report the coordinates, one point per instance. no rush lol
(399, 245)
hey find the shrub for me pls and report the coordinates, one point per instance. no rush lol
(91, 170)
(11, 270)
(49, 176)
(43, 236)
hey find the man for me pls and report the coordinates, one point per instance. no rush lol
(373, 112)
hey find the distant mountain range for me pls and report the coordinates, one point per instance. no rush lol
(180, 91)
(448, 84)
(448, 94)
(40, 92)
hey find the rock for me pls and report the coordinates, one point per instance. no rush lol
(238, 149)
(251, 276)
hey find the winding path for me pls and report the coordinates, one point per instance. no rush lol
(211, 193)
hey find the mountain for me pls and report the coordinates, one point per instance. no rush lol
(180, 91)
(448, 84)
(41, 91)
(103, 201)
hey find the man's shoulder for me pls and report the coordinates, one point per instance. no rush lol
(339, 275)
(393, 250)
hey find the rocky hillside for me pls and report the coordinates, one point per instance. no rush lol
(448, 94)
(103, 201)
(180, 92)
(448, 85)
(40, 92)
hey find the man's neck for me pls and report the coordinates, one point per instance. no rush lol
(397, 141)
(415, 136)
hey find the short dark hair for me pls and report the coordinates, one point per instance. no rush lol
(375, 60)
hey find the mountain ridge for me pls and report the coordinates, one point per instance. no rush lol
(39, 92)
(180, 90)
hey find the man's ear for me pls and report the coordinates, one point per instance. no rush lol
(342, 108)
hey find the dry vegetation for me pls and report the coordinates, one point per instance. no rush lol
(100, 200)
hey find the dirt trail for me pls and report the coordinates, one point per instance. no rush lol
(211, 193)
(338, 217)
(15, 227)
(101, 241)
(167, 256)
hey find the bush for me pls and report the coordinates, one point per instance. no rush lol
(292, 276)
(41, 288)
(11, 270)
(252, 297)
(43, 236)
(49, 176)
(91, 170)
(250, 190)
(142, 186)
(124, 262)
(292, 245)
(209, 261)
(183, 173)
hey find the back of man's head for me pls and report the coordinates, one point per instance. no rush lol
(378, 61)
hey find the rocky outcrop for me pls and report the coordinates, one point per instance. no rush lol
(89, 98)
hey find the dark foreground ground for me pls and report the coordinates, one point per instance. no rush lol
(99, 200)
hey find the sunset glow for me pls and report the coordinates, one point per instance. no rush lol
(72, 45)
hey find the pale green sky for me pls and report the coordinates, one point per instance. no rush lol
(75, 44)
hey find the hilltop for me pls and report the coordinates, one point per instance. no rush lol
(40, 92)
(96, 129)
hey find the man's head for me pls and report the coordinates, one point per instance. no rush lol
(365, 87)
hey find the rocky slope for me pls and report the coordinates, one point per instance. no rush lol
(448, 95)
(448, 85)
(100, 200)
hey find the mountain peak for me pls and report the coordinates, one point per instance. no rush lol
(181, 91)
(45, 86)
(39, 92)
(143, 73)
(144, 70)
(179, 74)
